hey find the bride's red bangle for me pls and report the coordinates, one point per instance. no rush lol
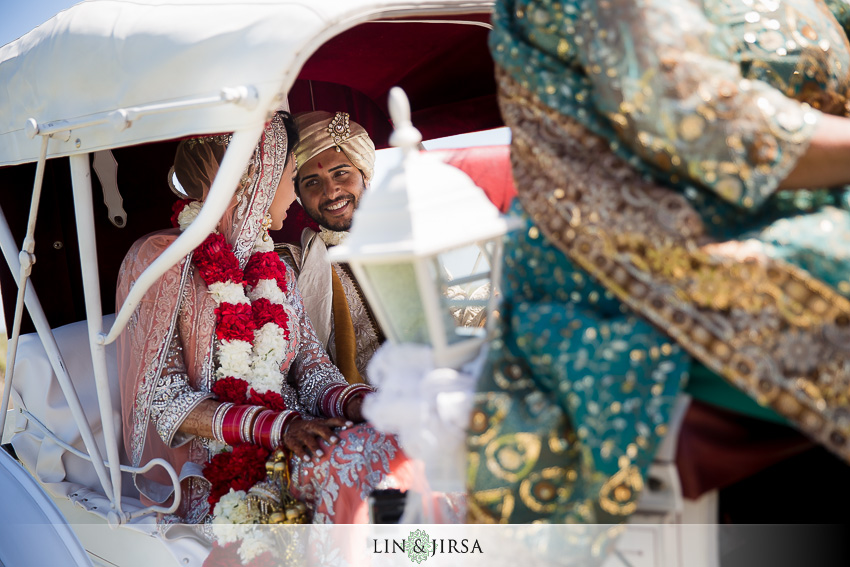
(237, 424)
(263, 427)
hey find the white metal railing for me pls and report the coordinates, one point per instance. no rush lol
(22, 267)
(33, 420)
(123, 118)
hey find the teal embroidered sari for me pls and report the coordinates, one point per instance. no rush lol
(713, 102)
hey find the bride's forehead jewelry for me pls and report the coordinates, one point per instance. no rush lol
(221, 139)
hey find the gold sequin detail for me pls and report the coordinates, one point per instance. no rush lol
(691, 127)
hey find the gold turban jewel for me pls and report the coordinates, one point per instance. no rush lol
(320, 130)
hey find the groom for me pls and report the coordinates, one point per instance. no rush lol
(335, 160)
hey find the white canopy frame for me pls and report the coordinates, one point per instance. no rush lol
(242, 109)
(224, 186)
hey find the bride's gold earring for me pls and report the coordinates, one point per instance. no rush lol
(267, 224)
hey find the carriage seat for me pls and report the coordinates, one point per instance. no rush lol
(36, 390)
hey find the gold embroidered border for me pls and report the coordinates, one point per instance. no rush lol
(773, 330)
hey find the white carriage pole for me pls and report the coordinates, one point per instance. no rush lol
(81, 183)
(26, 259)
(54, 355)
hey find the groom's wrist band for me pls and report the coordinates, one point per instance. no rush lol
(349, 393)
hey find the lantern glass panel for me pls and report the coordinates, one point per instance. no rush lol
(398, 288)
(462, 276)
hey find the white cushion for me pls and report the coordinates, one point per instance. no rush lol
(36, 389)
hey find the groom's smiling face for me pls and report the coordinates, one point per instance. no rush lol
(330, 187)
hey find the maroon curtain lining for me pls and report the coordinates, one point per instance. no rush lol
(717, 448)
(446, 71)
(319, 95)
(472, 115)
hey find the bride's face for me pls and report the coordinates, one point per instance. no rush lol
(284, 195)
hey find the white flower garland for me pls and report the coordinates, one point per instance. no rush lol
(234, 521)
(189, 214)
(332, 237)
(232, 508)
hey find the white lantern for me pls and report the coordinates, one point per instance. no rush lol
(408, 237)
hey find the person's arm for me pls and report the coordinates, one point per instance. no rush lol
(321, 386)
(175, 401)
(211, 419)
(199, 421)
(671, 85)
(826, 162)
(301, 436)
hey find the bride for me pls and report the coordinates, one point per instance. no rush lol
(220, 364)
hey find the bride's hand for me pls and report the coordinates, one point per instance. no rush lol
(303, 437)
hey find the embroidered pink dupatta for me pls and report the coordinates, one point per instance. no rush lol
(180, 302)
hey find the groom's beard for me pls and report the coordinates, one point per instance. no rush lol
(325, 218)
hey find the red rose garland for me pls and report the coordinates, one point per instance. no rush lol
(223, 555)
(265, 265)
(239, 469)
(241, 325)
(237, 318)
(235, 322)
(252, 327)
(228, 556)
(231, 390)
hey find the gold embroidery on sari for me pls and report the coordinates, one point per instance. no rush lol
(772, 329)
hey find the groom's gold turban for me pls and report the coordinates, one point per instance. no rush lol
(320, 130)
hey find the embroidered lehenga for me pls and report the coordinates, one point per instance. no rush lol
(645, 136)
(169, 357)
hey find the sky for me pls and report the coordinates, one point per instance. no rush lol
(17, 17)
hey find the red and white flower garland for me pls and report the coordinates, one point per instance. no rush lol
(253, 332)
(252, 327)
(251, 323)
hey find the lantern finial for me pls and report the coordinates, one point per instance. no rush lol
(424, 216)
(405, 135)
